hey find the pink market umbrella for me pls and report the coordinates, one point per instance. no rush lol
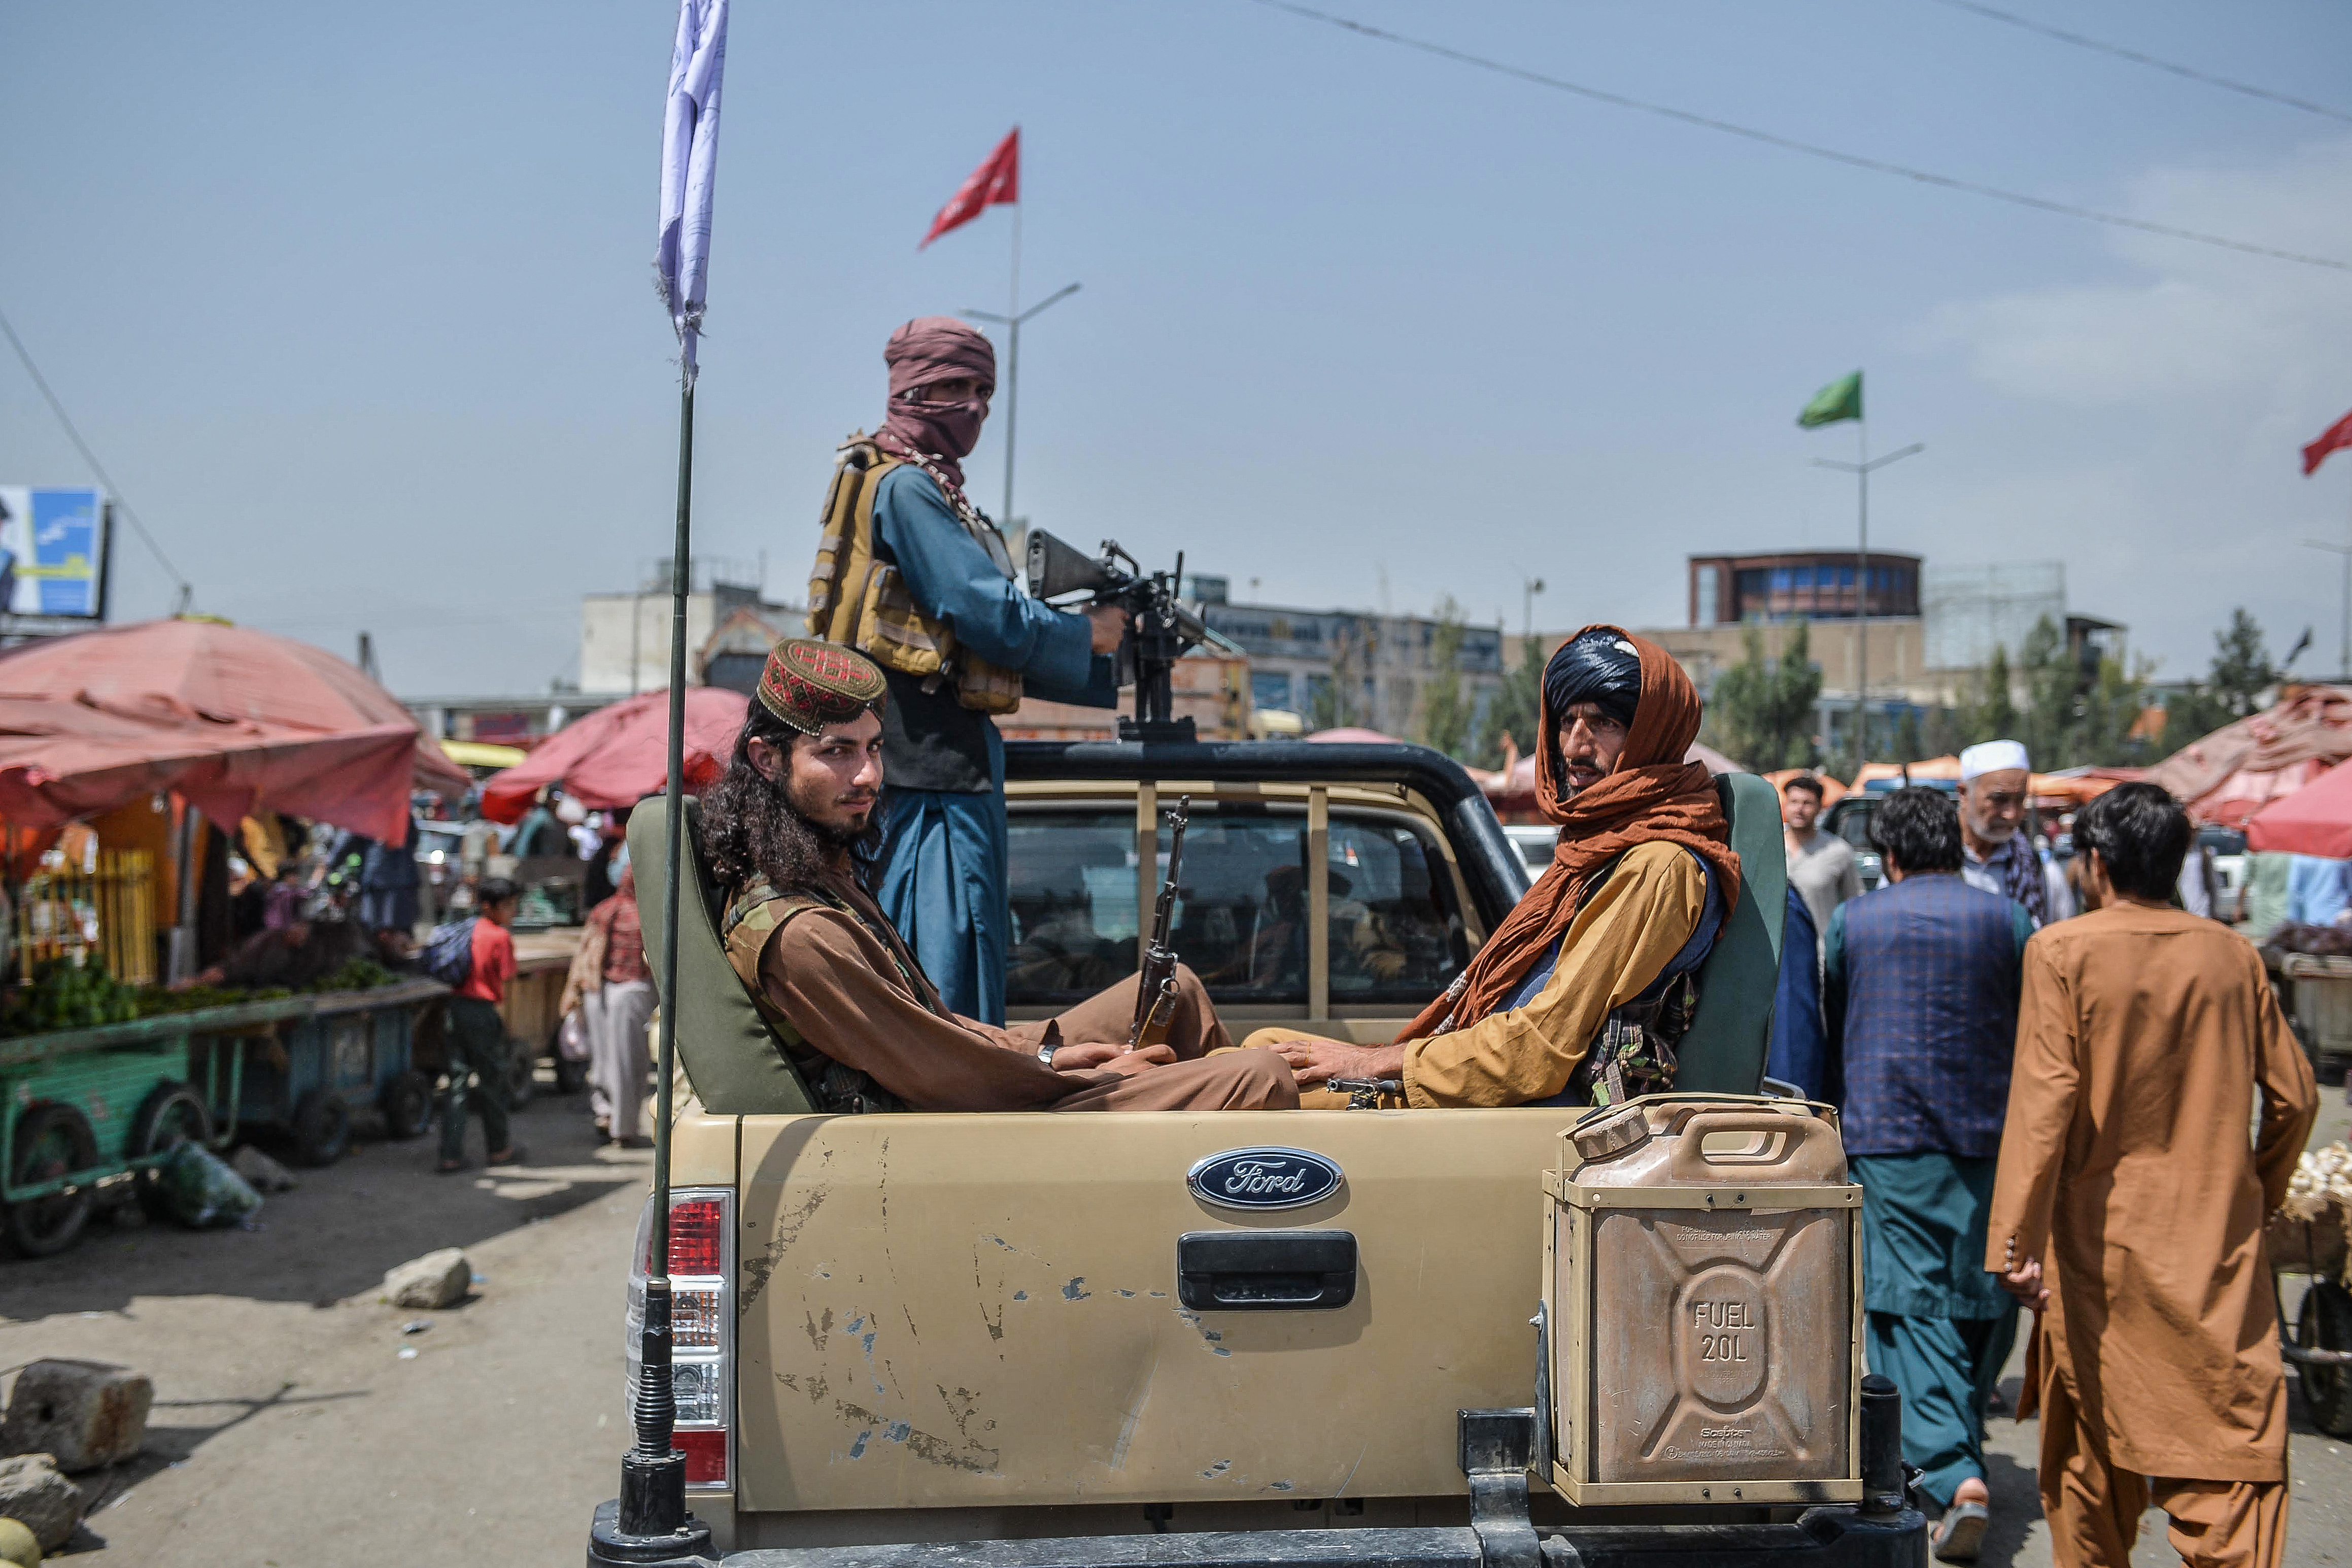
(618, 755)
(229, 718)
(2315, 820)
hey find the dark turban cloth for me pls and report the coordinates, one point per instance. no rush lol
(1650, 795)
(809, 684)
(1596, 667)
(930, 349)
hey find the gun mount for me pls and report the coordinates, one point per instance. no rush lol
(1158, 627)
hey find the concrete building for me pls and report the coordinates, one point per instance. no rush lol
(625, 637)
(1347, 666)
(1931, 630)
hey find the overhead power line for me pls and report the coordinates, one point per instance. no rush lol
(187, 592)
(1809, 149)
(2137, 58)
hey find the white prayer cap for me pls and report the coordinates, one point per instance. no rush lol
(1993, 757)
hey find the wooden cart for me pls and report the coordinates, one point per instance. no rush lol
(2316, 991)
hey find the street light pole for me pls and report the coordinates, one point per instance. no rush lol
(1529, 589)
(1861, 471)
(1011, 324)
(2344, 658)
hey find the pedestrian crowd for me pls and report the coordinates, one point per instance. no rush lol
(2045, 1076)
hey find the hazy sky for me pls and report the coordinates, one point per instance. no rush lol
(355, 302)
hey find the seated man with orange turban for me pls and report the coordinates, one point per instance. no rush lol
(1583, 993)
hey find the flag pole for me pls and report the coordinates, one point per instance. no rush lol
(1012, 361)
(1862, 600)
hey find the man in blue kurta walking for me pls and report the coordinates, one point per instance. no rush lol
(1919, 989)
(919, 579)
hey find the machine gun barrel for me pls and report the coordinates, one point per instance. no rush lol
(1155, 991)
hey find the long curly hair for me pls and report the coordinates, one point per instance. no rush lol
(750, 830)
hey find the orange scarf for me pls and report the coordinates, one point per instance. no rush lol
(1650, 795)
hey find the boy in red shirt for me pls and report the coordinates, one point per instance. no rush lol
(476, 1040)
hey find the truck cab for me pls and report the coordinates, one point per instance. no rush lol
(1279, 1336)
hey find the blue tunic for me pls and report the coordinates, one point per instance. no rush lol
(944, 876)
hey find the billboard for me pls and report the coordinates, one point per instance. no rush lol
(53, 551)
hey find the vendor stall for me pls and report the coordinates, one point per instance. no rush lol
(79, 1106)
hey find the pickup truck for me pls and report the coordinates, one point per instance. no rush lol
(1279, 1337)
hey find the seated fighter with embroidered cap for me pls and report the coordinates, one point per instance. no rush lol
(1583, 993)
(843, 991)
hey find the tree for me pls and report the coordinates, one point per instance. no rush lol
(2241, 671)
(1513, 709)
(1763, 710)
(1445, 708)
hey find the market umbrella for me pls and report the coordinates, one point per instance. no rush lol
(229, 718)
(2315, 820)
(2227, 776)
(618, 755)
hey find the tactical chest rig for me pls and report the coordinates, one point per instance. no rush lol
(860, 600)
(751, 920)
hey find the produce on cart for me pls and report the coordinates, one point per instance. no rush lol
(2311, 1233)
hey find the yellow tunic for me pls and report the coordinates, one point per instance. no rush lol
(1619, 942)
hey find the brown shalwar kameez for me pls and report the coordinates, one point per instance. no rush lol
(2144, 1036)
(855, 995)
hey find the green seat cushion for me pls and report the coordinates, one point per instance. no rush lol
(1723, 1051)
(730, 1054)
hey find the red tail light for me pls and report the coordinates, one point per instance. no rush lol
(697, 1237)
(706, 1455)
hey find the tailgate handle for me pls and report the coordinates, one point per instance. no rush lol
(1266, 1270)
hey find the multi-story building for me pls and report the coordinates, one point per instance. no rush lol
(1348, 667)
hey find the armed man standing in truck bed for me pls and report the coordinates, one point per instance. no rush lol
(912, 575)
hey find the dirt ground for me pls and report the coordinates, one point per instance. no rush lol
(289, 1429)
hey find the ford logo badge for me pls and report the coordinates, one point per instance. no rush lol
(1264, 1179)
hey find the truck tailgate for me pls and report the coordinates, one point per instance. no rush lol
(948, 1310)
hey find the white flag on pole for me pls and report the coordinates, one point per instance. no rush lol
(689, 167)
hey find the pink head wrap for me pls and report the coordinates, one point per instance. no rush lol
(930, 349)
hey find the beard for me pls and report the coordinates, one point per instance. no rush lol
(753, 829)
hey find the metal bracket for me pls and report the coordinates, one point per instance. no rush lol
(1496, 1447)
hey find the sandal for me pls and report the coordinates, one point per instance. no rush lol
(513, 1156)
(1959, 1536)
(448, 1167)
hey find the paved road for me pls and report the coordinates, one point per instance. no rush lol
(288, 1430)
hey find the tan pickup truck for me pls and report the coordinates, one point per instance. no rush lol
(1298, 1337)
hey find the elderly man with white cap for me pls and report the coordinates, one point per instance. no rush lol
(1996, 784)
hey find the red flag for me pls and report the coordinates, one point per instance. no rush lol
(2338, 436)
(996, 180)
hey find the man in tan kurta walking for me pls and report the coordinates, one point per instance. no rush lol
(2129, 1206)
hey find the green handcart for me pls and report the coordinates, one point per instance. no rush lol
(81, 1107)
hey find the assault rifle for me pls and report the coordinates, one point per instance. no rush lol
(1155, 990)
(1158, 627)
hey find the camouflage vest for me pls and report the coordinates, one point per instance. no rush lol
(751, 920)
(856, 599)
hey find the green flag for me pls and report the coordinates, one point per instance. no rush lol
(1841, 399)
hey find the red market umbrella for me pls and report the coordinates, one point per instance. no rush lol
(227, 717)
(618, 755)
(2315, 820)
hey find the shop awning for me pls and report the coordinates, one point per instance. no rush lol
(618, 755)
(229, 718)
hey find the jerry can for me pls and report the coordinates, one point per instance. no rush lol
(1703, 1305)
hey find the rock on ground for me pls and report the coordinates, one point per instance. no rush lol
(33, 1493)
(436, 1279)
(84, 1414)
(264, 1173)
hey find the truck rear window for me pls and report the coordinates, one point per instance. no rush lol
(1241, 922)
